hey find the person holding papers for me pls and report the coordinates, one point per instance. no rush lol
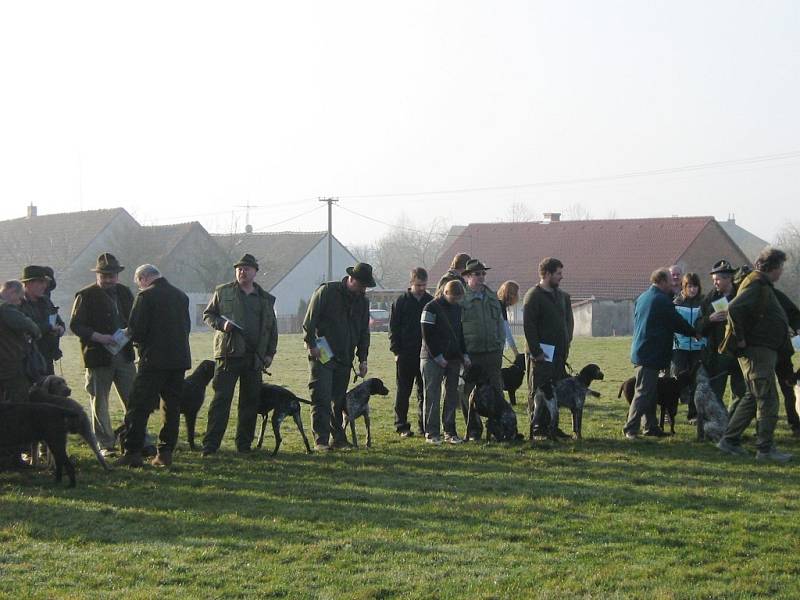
(336, 328)
(100, 311)
(548, 325)
(245, 340)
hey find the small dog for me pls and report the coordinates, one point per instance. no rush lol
(193, 395)
(712, 416)
(569, 393)
(282, 403)
(513, 376)
(28, 423)
(487, 402)
(54, 390)
(356, 404)
(668, 394)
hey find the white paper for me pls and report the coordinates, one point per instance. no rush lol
(232, 322)
(325, 352)
(120, 340)
(549, 352)
(51, 319)
(796, 342)
(721, 304)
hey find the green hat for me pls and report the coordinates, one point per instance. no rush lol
(474, 265)
(248, 260)
(362, 272)
(107, 263)
(34, 272)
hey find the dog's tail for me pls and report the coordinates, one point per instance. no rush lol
(621, 388)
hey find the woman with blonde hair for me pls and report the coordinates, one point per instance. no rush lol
(508, 294)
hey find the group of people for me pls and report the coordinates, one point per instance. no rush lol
(740, 332)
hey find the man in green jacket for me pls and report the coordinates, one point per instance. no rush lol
(757, 331)
(547, 319)
(338, 312)
(16, 330)
(245, 340)
(484, 336)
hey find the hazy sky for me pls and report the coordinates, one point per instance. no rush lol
(183, 111)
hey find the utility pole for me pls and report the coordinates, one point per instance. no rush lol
(330, 202)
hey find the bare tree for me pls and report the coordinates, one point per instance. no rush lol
(788, 240)
(576, 212)
(519, 212)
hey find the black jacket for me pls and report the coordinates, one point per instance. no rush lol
(160, 325)
(405, 334)
(441, 330)
(92, 311)
(40, 311)
(341, 318)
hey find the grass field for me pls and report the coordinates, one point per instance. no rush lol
(599, 518)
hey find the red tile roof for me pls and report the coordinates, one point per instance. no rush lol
(610, 258)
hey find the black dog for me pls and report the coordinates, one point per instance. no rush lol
(193, 395)
(28, 423)
(487, 402)
(668, 395)
(513, 376)
(282, 403)
(54, 390)
(356, 404)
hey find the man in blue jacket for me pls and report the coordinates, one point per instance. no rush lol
(655, 322)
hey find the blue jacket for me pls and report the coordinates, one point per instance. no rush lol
(655, 322)
(691, 310)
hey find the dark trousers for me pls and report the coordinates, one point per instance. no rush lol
(540, 374)
(408, 373)
(685, 360)
(226, 374)
(152, 388)
(643, 406)
(491, 362)
(328, 385)
(724, 367)
(785, 373)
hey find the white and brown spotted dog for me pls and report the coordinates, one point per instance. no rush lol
(356, 404)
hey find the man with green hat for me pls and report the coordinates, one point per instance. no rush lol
(36, 305)
(100, 312)
(336, 329)
(245, 341)
(16, 329)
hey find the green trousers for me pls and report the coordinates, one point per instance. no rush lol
(760, 401)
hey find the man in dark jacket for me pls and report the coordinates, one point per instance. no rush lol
(37, 305)
(337, 321)
(784, 368)
(159, 326)
(547, 319)
(99, 312)
(757, 332)
(455, 272)
(405, 341)
(711, 325)
(655, 322)
(245, 341)
(16, 331)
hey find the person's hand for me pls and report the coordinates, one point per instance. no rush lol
(441, 361)
(103, 338)
(539, 357)
(58, 330)
(227, 327)
(268, 361)
(314, 352)
(396, 357)
(362, 369)
(717, 317)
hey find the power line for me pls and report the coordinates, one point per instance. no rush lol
(392, 225)
(302, 214)
(600, 178)
(261, 208)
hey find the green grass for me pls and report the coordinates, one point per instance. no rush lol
(599, 518)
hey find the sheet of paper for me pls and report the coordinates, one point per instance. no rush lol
(325, 352)
(120, 340)
(232, 322)
(796, 342)
(549, 352)
(720, 304)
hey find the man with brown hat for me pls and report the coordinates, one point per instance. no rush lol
(245, 340)
(337, 320)
(100, 311)
(36, 305)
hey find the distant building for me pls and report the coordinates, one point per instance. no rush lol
(748, 242)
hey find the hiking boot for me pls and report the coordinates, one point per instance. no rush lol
(130, 459)
(774, 455)
(208, 452)
(732, 449)
(342, 445)
(322, 448)
(162, 459)
(630, 435)
(406, 434)
(434, 439)
(108, 452)
(561, 434)
(452, 439)
(656, 432)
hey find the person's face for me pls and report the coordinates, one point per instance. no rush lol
(722, 283)
(554, 279)
(513, 298)
(475, 279)
(676, 274)
(35, 289)
(245, 274)
(692, 290)
(107, 280)
(775, 274)
(142, 281)
(418, 286)
(354, 286)
(13, 296)
(451, 297)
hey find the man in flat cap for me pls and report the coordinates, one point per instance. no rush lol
(99, 312)
(338, 312)
(36, 305)
(245, 340)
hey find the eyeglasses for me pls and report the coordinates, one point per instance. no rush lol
(479, 273)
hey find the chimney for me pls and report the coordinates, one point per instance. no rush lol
(551, 217)
(31, 210)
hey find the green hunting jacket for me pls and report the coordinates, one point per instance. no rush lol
(482, 321)
(756, 316)
(341, 318)
(228, 301)
(547, 319)
(14, 327)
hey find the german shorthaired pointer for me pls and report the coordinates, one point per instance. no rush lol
(712, 416)
(281, 403)
(570, 393)
(356, 404)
